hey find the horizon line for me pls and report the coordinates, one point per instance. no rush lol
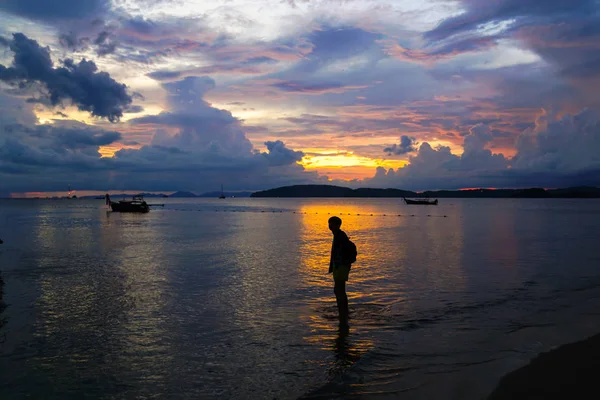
(88, 193)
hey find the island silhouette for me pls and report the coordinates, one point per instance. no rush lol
(339, 191)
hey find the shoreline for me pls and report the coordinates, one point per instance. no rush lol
(568, 371)
(536, 363)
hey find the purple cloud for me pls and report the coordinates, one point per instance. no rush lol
(280, 155)
(313, 88)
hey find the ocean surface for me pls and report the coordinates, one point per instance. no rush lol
(230, 299)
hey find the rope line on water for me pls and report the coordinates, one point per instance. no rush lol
(307, 213)
(282, 212)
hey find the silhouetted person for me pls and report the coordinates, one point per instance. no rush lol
(340, 267)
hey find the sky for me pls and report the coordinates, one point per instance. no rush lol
(167, 95)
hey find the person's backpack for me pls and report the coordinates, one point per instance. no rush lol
(350, 252)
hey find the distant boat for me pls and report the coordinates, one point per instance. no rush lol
(425, 202)
(136, 205)
(222, 196)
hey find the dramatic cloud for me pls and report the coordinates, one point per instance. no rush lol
(81, 83)
(437, 94)
(198, 125)
(195, 147)
(279, 155)
(407, 145)
(71, 145)
(566, 145)
(200, 140)
(557, 151)
(518, 12)
(564, 33)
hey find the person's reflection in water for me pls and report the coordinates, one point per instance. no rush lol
(340, 267)
(342, 350)
(1, 290)
(2, 306)
(346, 355)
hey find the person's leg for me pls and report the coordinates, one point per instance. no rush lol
(342, 300)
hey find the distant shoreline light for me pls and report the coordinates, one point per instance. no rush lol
(83, 193)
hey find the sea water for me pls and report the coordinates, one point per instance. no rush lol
(209, 298)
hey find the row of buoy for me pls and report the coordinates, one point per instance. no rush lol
(309, 213)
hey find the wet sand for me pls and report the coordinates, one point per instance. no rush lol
(568, 372)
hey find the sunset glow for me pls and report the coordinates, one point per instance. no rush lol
(407, 94)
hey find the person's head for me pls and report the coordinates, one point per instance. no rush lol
(334, 224)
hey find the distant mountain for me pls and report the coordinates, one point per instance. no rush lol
(338, 191)
(578, 192)
(305, 191)
(331, 191)
(227, 194)
(150, 195)
(572, 192)
(183, 194)
(119, 195)
(179, 194)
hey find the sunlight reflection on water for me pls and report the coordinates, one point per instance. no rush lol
(232, 299)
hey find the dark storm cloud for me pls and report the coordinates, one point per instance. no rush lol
(141, 25)
(316, 53)
(521, 12)
(564, 33)
(105, 43)
(164, 75)
(97, 35)
(462, 46)
(75, 139)
(336, 43)
(133, 109)
(306, 87)
(407, 145)
(572, 45)
(64, 144)
(72, 42)
(81, 83)
(55, 9)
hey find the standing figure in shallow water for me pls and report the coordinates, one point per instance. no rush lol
(339, 265)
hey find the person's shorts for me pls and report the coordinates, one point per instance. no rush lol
(341, 273)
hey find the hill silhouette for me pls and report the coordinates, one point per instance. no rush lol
(339, 191)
